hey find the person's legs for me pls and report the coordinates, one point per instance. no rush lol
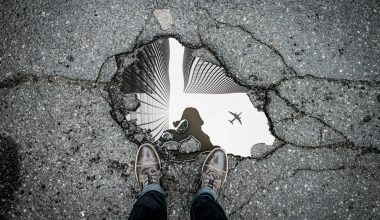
(151, 204)
(214, 173)
(205, 206)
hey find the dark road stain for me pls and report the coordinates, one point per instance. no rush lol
(70, 58)
(367, 119)
(9, 173)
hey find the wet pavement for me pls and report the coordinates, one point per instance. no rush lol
(311, 67)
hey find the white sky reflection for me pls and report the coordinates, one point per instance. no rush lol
(213, 109)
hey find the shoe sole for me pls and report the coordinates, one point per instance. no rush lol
(137, 154)
(209, 154)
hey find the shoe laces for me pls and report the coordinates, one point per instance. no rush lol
(211, 178)
(148, 177)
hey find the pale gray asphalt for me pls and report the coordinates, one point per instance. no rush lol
(314, 68)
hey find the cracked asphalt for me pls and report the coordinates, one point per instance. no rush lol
(312, 67)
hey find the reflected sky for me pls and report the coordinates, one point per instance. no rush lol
(213, 109)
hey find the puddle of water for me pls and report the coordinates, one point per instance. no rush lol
(196, 89)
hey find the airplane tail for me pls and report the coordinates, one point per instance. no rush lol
(232, 122)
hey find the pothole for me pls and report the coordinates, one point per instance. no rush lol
(182, 100)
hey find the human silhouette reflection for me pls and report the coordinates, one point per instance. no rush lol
(194, 128)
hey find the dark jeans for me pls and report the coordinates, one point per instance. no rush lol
(152, 205)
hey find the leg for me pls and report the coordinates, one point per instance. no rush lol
(204, 206)
(151, 204)
(214, 173)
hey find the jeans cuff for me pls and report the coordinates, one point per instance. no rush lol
(207, 190)
(152, 187)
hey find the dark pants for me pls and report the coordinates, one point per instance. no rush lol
(152, 205)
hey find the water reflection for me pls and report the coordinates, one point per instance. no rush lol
(194, 93)
(148, 78)
(194, 128)
(194, 122)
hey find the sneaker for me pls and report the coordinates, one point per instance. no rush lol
(214, 169)
(147, 165)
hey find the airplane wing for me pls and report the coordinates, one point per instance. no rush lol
(239, 120)
(232, 114)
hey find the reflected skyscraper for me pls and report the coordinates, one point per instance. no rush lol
(204, 77)
(148, 77)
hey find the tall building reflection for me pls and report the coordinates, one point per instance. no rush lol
(204, 77)
(148, 77)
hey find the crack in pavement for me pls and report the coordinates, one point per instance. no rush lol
(137, 44)
(101, 68)
(271, 47)
(289, 104)
(237, 163)
(265, 156)
(293, 174)
(56, 78)
(277, 52)
(134, 48)
(271, 122)
(228, 72)
(43, 103)
(345, 82)
(273, 88)
(104, 86)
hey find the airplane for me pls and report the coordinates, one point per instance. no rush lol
(236, 116)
